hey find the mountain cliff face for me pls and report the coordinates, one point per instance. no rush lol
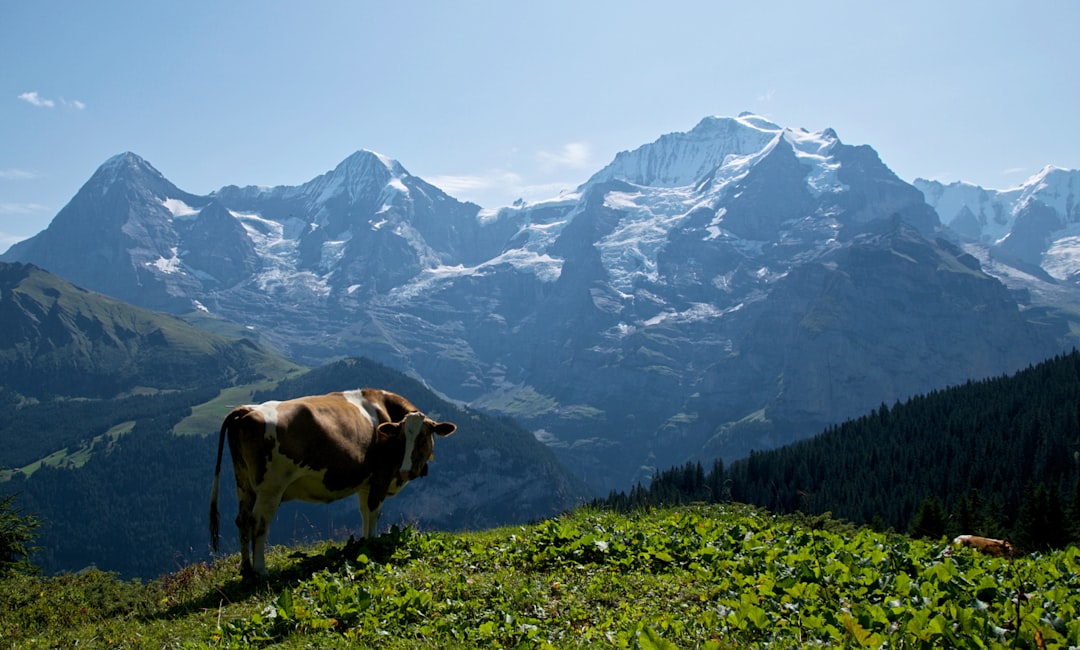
(732, 287)
(118, 235)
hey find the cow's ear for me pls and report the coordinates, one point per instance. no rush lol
(388, 430)
(445, 428)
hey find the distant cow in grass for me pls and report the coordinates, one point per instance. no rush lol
(988, 545)
(367, 442)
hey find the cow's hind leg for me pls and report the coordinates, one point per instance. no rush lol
(245, 524)
(266, 504)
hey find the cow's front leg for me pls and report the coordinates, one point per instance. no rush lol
(369, 514)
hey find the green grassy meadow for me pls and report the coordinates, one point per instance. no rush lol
(718, 576)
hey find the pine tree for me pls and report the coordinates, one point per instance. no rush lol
(716, 480)
(971, 516)
(1073, 523)
(1041, 524)
(17, 534)
(929, 521)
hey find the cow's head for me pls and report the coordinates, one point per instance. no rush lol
(419, 433)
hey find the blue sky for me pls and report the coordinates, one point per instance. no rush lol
(495, 100)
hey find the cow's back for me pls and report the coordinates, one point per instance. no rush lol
(327, 432)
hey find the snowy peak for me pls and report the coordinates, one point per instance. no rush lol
(681, 159)
(1048, 175)
(363, 175)
(127, 192)
(1057, 188)
(132, 174)
(365, 182)
(990, 215)
(716, 127)
(756, 121)
(720, 149)
(125, 165)
(365, 163)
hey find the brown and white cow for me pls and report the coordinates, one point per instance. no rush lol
(987, 545)
(320, 448)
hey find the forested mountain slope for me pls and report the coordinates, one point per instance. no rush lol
(999, 456)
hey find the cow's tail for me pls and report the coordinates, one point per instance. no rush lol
(215, 518)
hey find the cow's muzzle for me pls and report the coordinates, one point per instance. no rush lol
(405, 476)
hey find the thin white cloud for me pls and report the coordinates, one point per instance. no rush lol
(455, 184)
(767, 95)
(471, 183)
(21, 208)
(574, 155)
(35, 99)
(7, 240)
(17, 175)
(544, 191)
(497, 188)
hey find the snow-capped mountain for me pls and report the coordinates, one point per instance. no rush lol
(1036, 224)
(731, 287)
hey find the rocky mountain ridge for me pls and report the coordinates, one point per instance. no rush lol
(728, 288)
(1034, 225)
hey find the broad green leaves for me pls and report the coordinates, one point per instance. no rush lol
(709, 577)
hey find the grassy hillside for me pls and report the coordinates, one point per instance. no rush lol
(717, 576)
(59, 340)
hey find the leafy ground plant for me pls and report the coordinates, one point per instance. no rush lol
(697, 577)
